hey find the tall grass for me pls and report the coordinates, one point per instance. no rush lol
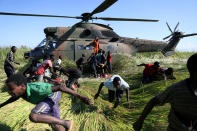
(101, 116)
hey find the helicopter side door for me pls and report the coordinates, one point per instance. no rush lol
(69, 50)
(82, 47)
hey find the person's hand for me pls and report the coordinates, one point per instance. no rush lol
(137, 125)
(96, 96)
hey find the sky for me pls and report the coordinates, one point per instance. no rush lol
(28, 31)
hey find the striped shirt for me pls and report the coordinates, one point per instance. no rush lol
(10, 58)
(183, 113)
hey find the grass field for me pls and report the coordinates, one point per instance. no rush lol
(101, 116)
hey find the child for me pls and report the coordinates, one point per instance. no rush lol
(46, 97)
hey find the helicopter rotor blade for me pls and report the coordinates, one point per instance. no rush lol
(169, 27)
(20, 14)
(167, 37)
(124, 19)
(106, 4)
(176, 26)
(188, 35)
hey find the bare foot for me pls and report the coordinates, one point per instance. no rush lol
(68, 125)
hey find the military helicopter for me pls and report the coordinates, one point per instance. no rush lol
(73, 41)
(176, 36)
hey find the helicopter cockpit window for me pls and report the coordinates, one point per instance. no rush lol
(88, 47)
(80, 47)
(85, 33)
(109, 33)
(72, 47)
(52, 45)
(42, 43)
(110, 47)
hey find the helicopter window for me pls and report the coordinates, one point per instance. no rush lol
(88, 47)
(42, 43)
(72, 47)
(52, 45)
(109, 33)
(110, 47)
(80, 47)
(85, 33)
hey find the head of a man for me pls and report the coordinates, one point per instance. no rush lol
(156, 65)
(60, 57)
(117, 82)
(13, 49)
(16, 85)
(192, 66)
(52, 57)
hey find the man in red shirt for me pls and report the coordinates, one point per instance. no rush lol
(151, 70)
(41, 69)
(108, 64)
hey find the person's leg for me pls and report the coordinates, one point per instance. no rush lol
(42, 113)
(9, 71)
(110, 67)
(111, 95)
(93, 67)
(44, 118)
(55, 111)
(81, 69)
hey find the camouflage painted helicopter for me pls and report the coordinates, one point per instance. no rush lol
(72, 41)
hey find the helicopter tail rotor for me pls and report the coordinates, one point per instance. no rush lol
(174, 40)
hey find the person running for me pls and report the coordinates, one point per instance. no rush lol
(150, 71)
(182, 97)
(80, 62)
(73, 75)
(10, 61)
(46, 98)
(45, 65)
(115, 85)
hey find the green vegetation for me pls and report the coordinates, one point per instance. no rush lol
(101, 116)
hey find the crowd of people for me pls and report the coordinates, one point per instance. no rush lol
(46, 93)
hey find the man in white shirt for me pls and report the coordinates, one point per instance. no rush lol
(115, 85)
